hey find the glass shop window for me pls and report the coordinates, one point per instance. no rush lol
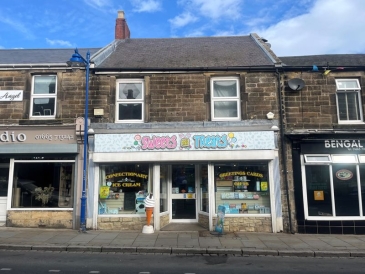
(242, 188)
(319, 190)
(336, 189)
(123, 188)
(43, 185)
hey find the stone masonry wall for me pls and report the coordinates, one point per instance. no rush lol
(177, 98)
(122, 223)
(185, 97)
(169, 97)
(314, 107)
(38, 218)
(246, 224)
(164, 220)
(203, 220)
(70, 96)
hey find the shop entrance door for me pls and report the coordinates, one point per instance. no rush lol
(4, 182)
(183, 196)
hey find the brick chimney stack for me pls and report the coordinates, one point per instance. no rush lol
(121, 27)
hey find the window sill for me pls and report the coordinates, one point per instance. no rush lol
(129, 122)
(32, 121)
(346, 125)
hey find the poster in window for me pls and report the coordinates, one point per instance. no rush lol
(318, 195)
(104, 192)
(263, 186)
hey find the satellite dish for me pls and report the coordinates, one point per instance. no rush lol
(296, 84)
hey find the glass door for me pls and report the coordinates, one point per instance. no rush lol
(183, 196)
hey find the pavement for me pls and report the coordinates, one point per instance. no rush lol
(183, 242)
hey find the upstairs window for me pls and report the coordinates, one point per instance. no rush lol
(44, 94)
(348, 101)
(130, 101)
(225, 99)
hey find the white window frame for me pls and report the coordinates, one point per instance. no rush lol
(334, 159)
(47, 113)
(129, 101)
(309, 158)
(215, 99)
(356, 90)
(361, 158)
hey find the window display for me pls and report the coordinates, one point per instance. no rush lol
(46, 184)
(242, 188)
(123, 188)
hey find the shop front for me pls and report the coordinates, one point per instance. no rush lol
(37, 174)
(190, 176)
(330, 190)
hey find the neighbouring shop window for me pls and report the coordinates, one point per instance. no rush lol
(225, 99)
(242, 188)
(43, 184)
(348, 96)
(163, 188)
(123, 188)
(4, 174)
(44, 96)
(318, 190)
(130, 101)
(335, 189)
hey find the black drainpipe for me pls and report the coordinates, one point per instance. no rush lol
(283, 150)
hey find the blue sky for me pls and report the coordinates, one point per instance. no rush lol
(293, 27)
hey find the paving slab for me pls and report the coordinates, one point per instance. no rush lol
(202, 242)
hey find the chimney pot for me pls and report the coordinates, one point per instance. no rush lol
(121, 14)
(121, 27)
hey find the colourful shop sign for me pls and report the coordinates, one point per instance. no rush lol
(184, 141)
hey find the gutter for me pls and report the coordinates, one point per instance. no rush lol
(182, 70)
(322, 69)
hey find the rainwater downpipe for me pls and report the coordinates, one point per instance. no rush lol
(283, 150)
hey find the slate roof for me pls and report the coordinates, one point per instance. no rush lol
(332, 60)
(187, 53)
(39, 56)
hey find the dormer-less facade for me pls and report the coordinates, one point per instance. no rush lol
(193, 121)
(324, 129)
(40, 101)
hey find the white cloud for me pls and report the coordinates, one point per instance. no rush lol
(330, 26)
(59, 43)
(17, 25)
(98, 3)
(146, 5)
(210, 15)
(183, 20)
(214, 9)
